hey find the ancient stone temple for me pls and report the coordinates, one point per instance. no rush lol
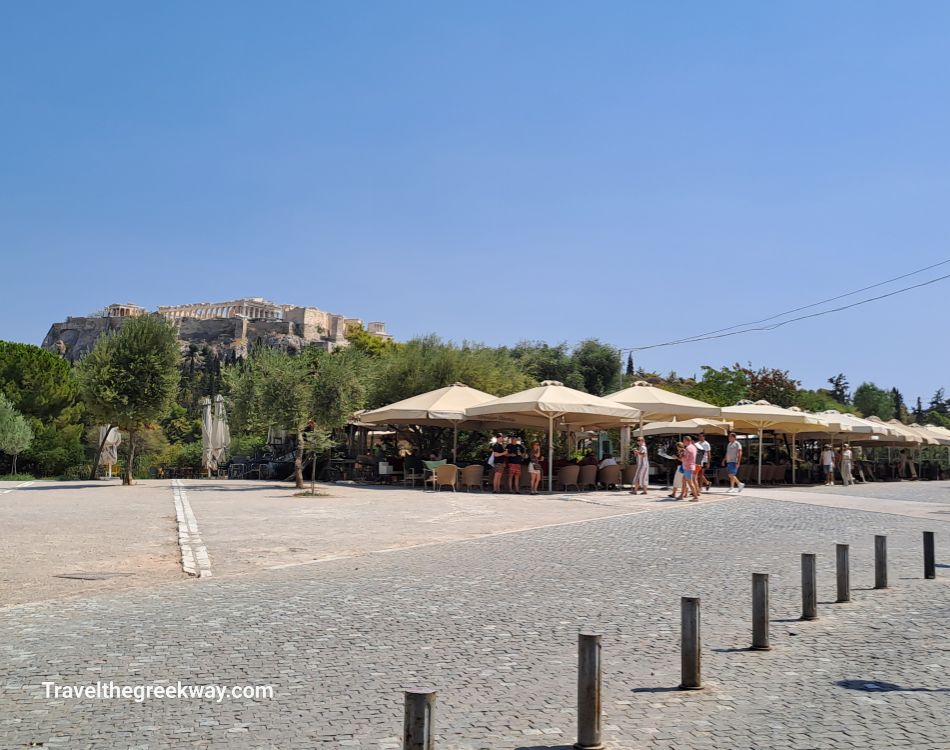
(229, 327)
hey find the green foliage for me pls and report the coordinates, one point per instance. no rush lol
(598, 366)
(873, 401)
(366, 343)
(839, 388)
(939, 403)
(723, 387)
(179, 426)
(42, 387)
(130, 378)
(820, 400)
(772, 385)
(900, 409)
(16, 477)
(935, 417)
(15, 431)
(425, 364)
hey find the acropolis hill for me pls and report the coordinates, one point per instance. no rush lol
(228, 327)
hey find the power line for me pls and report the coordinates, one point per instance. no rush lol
(703, 336)
(772, 327)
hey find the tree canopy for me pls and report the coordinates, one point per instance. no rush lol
(15, 431)
(131, 377)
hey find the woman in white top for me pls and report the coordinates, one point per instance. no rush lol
(846, 457)
(641, 479)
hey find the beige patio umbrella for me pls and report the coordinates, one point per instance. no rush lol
(552, 401)
(700, 424)
(762, 415)
(659, 405)
(443, 407)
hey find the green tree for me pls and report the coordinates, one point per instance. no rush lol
(629, 370)
(873, 401)
(919, 412)
(900, 409)
(130, 378)
(772, 385)
(839, 388)
(365, 342)
(317, 391)
(598, 366)
(543, 361)
(938, 403)
(722, 387)
(42, 387)
(819, 400)
(15, 431)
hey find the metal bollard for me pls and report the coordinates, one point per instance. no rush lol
(809, 588)
(930, 557)
(844, 572)
(691, 678)
(418, 727)
(588, 692)
(880, 562)
(760, 612)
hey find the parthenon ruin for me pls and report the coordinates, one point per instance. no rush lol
(229, 326)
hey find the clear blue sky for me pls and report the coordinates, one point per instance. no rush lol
(490, 171)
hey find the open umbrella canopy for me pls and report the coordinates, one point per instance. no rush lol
(901, 434)
(436, 408)
(942, 434)
(555, 400)
(657, 404)
(762, 415)
(926, 437)
(686, 426)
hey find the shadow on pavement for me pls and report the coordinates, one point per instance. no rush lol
(876, 686)
(656, 690)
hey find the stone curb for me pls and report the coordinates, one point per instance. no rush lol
(194, 554)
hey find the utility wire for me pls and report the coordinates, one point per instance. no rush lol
(725, 332)
(703, 336)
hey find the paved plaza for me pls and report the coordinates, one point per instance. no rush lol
(342, 602)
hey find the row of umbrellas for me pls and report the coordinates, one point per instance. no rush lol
(654, 410)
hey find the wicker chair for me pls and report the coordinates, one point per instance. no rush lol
(446, 475)
(587, 477)
(473, 476)
(609, 476)
(567, 476)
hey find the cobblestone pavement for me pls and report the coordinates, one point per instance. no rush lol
(491, 623)
(54, 528)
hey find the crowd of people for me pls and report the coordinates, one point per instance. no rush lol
(508, 457)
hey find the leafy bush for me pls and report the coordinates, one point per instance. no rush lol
(16, 477)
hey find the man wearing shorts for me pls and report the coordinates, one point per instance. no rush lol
(703, 460)
(828, 464)
(516, 453)
(689, 469)
(499, 452)
(732, 461)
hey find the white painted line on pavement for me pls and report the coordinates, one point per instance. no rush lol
(194, 554)
(22, 484)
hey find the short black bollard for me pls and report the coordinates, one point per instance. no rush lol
(418, 727)
(691, 667)
(809, 588)
(760, 612)
(880, 562)
(844, 572)
(588, 692)
(930, 556)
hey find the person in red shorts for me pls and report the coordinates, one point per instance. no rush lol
(516, 454)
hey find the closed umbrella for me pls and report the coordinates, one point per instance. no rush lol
(220, 432)
(207, 424)
(109, 455)
(552, 401)
(762, 415)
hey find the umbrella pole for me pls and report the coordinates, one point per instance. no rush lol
(793, 456)
(550, 453)
(455, 444)
(760, 457)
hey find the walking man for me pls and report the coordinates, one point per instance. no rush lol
(828, 465)
(732, 461)
(703, 461)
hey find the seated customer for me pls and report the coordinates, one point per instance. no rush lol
(589, 459)
(608, 460)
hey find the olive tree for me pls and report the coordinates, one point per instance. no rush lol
(15, 431)
(130, 378)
